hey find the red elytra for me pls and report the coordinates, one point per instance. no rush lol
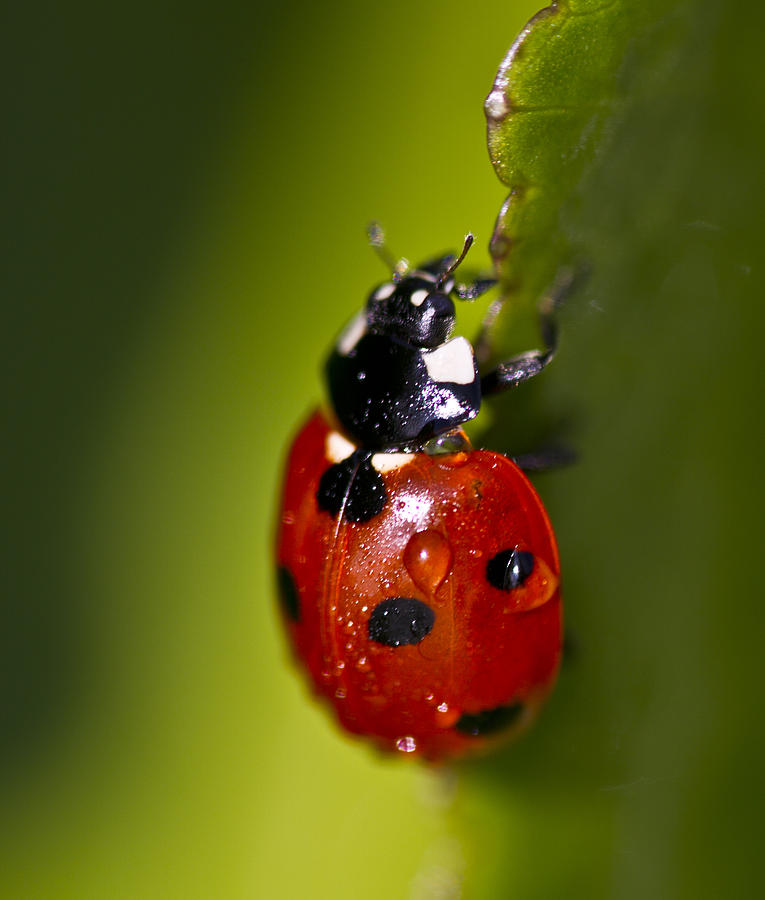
(488, 657)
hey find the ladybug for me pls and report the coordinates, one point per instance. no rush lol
(418, 577)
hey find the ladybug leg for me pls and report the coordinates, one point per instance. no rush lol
(475, 288)
(520, 368)
(547, 458)
(516, 370)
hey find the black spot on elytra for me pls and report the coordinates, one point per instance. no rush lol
(489, 721)
(509, 569)
(288, 594)
(400, 620)
(354, 486)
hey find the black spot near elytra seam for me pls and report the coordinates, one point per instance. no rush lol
(288, 594)
(509, 568)
(400, 620)
(354, 486)
(489, 721)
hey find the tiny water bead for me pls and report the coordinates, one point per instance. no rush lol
(428, 558)
(452, 444)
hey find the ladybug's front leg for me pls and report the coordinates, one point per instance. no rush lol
(520, 368)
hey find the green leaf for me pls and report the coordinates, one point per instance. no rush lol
(558, 96)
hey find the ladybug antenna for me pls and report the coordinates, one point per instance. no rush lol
(376, 236)
(444, 276)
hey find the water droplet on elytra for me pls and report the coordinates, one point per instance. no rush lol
(428, 558)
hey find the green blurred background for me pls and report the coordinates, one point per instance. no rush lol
(185, 192)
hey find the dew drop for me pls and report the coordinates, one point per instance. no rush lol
(428, 558)
(452, 447)
(406, 745)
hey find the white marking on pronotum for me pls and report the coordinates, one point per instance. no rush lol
(352, 334)
(338, 447)
(386, 462)
(452, 361)
(382, 293)
(418, 297)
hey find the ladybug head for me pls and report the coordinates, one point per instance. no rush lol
(415, 309)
